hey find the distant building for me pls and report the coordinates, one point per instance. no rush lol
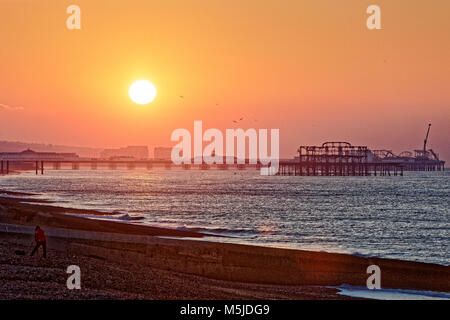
(162, 153)
(136, 152)
(33, 155)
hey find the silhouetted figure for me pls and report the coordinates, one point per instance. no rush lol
(41, 240)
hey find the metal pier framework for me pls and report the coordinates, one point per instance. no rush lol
(343, 159)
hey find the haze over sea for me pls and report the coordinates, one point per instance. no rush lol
(396, 217)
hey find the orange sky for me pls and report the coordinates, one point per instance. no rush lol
(310, 68)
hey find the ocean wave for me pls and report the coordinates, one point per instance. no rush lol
(221, 231)
(362, 255)
(14, 196)
(113, 216)
(391, 294)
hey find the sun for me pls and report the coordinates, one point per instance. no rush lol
(142, 92)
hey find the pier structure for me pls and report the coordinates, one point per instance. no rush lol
(420, 161)
(344, 159)
(93, 164)
(38, 165)
(329, 159)
(337, 159)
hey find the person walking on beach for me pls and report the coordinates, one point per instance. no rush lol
(41, 240)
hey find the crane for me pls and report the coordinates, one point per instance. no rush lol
(424, 153)
(426, 140)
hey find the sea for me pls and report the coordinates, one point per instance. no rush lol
(402, 217)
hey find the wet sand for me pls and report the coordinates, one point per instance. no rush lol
(125, 261)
